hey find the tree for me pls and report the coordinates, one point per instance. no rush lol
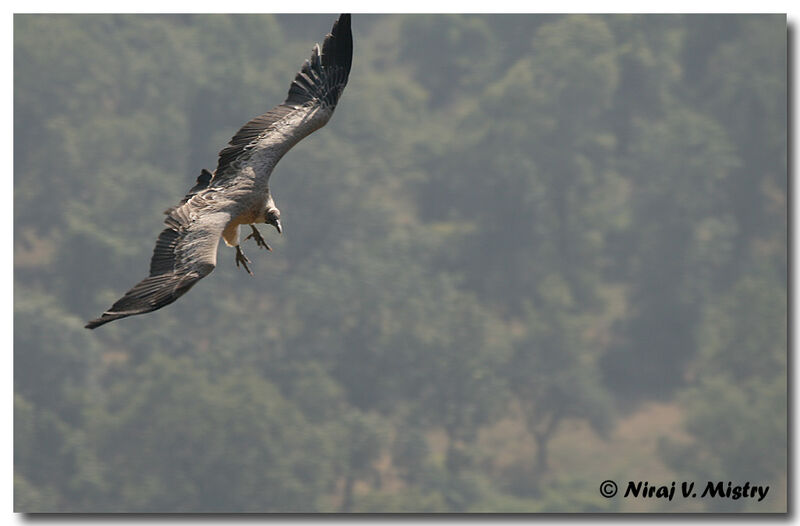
(553, 371)
(737, 398)
(519, 209)
(683, 236)
(55, 382)
(174, 438)
(364, 438)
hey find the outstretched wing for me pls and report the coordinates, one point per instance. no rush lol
(185, 252)
(309, 105)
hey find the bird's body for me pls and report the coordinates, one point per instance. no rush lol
(238, 191)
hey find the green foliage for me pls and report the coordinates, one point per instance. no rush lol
(174, 438)
(683, 237)
(516, 226)
(737, 400)
(553, 372)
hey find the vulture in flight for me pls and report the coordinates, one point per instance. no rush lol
(237, 193)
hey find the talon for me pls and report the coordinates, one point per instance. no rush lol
(256, 235)
(241, 258)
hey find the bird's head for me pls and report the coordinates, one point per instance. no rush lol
(273, 217)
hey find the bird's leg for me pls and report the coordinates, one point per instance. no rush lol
(241, 258)
(256, 235)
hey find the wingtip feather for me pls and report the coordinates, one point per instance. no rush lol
(102, 320)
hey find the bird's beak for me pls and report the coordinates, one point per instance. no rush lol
(278, 226)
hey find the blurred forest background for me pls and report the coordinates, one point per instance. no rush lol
(527, 254)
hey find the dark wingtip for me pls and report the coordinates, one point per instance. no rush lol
(100, 321)
(344, 20)
(105, 318)
(338, 45)
(325, 74)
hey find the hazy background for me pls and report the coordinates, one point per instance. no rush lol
(527, 254)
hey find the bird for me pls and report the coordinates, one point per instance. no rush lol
(237, 192)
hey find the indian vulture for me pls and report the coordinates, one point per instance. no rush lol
(237, 193)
